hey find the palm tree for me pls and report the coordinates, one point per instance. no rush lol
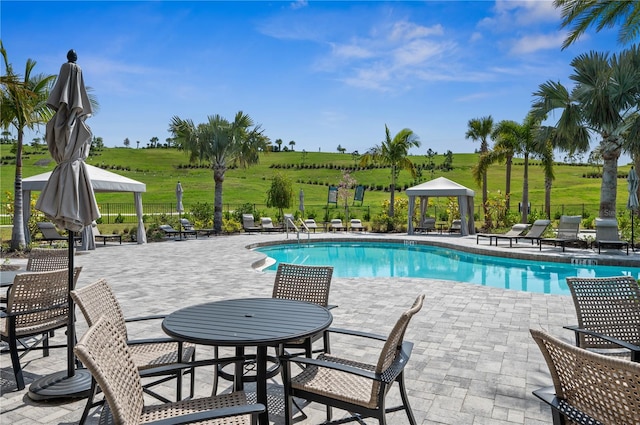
(395, 153)
(292, 144)
(581, 14)
(24, 106)
(604, 102)
(479, 129)
(224, 144)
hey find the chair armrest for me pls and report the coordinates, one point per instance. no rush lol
(357, 333)
(562, 407)
(635, 349)
(141, 318)
(176, 367)
(331, 306)
(387, 376)
(158, 340)
(224, 412)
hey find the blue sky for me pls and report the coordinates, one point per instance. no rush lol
(321, 74)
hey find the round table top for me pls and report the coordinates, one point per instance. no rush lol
(247, 322)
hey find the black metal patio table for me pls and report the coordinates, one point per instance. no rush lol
(248, 322)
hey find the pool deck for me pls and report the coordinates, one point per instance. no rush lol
(473, 362)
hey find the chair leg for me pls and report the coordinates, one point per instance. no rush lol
(15, 363)
(405, 399)
(90, 403)
(45, 344)
(288, 399)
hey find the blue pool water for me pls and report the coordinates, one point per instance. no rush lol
(375, 259)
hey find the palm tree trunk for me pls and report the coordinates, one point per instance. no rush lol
(18, 241)
(609, 183)
(547, 197)
(392, 189)
(218, 178)
(525, 190)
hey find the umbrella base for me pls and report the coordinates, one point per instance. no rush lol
(60, 385)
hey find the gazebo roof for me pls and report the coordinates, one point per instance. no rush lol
(440, 186)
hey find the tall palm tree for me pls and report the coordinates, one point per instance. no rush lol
(579, 15)
(480, 129)
(395, 153)
(603, 102)
(224, 144)
(24, 106)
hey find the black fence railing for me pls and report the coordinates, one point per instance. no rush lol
(113, 212)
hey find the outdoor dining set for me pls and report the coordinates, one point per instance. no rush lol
(294, 322)
(288, 336)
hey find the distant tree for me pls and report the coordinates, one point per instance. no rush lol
(280, 194)
(223, 143)
(292, 144)
(347, 183)
(431, 165)
(137, 144)
(604, 102)
(97, 144)
(168, 142)
(23, 107)
(153, 142)
(127, 143)
(35, 143)
(579, 15)
(447, 164)
(6, 137)
(279, 143)
(341, 149)
(479, 130)
(395, 153)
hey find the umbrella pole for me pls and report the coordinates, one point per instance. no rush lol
(70, 383)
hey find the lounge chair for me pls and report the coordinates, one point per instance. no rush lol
(351, 385)
(516, 230)
(456, 226)
(170, 231)
(607, 235)
(356, 224)
(267, 225)
(535, 233)
(427, 225)
(105, 353)
(50, 234)
(188, 227)
(105, 238)
(310, 224)
(37, 304)
(567, 232)
(97, 300)
(608, 312)
(588, 388)
(248, 224)
(336, 225)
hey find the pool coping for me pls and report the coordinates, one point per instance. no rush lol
(587, 257)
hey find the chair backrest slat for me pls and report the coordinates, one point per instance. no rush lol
(602, 387)
(44, 260)
(303, 283)
(96, 300)
(34, 292)
(103, 351)
(607, 305)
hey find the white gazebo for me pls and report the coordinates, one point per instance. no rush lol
(101, 181)
(443, 187)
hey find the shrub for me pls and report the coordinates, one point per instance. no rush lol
(119, 219)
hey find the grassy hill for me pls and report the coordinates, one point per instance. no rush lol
(313, 172)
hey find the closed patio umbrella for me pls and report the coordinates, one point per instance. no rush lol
(632, 202)
(68, 200)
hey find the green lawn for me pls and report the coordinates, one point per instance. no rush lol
(313, 172)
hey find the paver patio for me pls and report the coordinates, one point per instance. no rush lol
(473, 362)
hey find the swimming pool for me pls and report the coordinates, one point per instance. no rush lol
(378, 259)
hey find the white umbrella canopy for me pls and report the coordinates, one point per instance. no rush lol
(632, 187)
(179, 192)
(68, 199)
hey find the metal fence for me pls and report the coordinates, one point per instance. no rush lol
(126, 212)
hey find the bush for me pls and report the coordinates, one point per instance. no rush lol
(231, 225)
(119, 219)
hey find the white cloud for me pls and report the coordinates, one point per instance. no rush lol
(534, 43)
